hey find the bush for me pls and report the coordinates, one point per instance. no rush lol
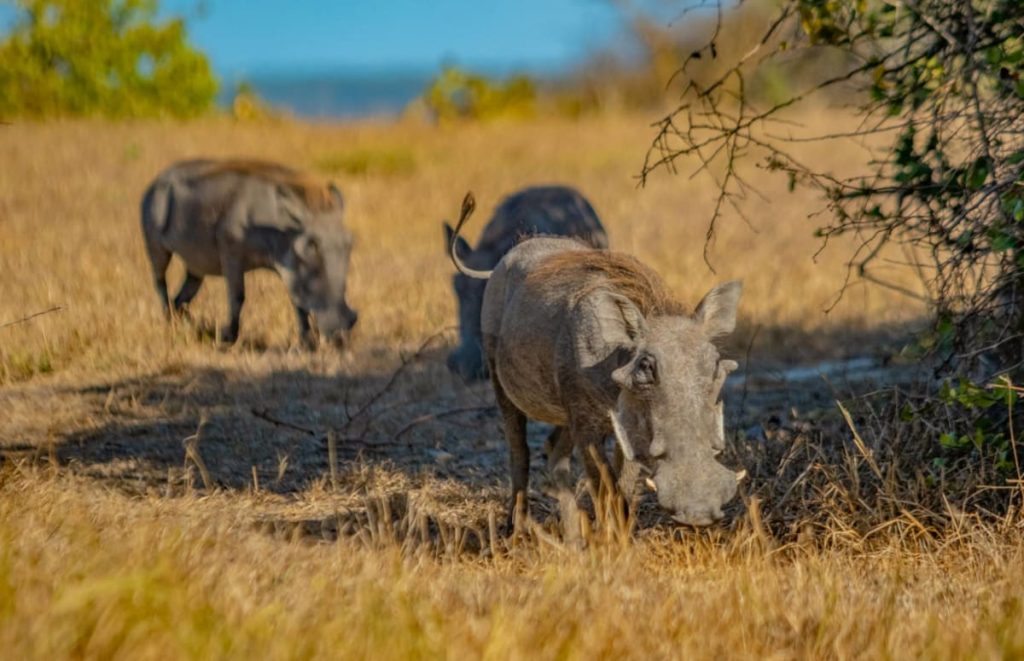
(101, 57)
(946, 81)
(247, 106)
(458, 94)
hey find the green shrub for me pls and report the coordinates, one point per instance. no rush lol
(459, 94)
(101, 57)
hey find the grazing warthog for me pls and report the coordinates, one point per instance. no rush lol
(229, 217)
(592, 342)
(541, 210)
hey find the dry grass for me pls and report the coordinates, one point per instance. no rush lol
(125, 531)
(70, 194)
(91, 573)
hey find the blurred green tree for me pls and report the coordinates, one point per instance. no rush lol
(101, 57)
(458, 94)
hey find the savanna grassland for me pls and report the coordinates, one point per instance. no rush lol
(162, 497)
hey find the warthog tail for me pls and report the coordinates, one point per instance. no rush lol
(468, 204)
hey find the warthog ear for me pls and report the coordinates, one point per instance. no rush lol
(619, 317)
(339, 201)
(462, 247)
(293, 214)
(716, 313)
(607, 324)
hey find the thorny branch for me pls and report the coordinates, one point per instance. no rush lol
(365, 408)
(944, 89)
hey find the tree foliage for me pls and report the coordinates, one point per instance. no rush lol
(105, 57)
(942, 82)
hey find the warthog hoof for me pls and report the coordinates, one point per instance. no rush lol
(227, 334)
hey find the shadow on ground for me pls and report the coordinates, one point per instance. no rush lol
(395, 429)
(273, 428)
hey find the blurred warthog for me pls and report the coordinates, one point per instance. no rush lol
(592, 342)
(232, 216)
(541, 210)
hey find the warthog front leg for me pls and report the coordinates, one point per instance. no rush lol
(627, 474)
(560, 446)
(590, 443)
(188, 291)
(306, 335)
(234, 274)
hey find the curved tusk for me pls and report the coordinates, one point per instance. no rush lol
(620, 436)
(719, 444)
(741, 475)
(651, 484)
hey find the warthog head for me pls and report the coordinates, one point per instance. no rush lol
(668, 416)
(316, 268)
(468, 359)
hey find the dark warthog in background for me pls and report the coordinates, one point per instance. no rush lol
(542, 210)
(592, 342)
(229, 217)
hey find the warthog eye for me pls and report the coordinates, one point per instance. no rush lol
(646, 371)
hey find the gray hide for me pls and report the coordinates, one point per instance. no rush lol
(226, 222)
(541, 210)
(580, 355)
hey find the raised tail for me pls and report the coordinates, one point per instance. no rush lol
(468, 205)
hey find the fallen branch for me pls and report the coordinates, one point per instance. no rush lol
(55, 308)
(264, 415)
(393, 379)
(439, 416)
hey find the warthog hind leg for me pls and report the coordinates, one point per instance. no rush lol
(519, 454)
(234, 273)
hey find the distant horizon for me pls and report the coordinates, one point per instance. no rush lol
(495, 69)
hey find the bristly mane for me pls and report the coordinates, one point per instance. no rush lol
(619, 272)
(315, 192)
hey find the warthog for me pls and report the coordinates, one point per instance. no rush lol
(229, 217)
(541, 210)
(592, 342)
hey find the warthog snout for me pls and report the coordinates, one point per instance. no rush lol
(695, 494)
(335, 326)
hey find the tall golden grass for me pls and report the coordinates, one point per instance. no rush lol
(92, 573)
(127, 532)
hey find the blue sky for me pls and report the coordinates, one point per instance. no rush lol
(253, 36)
